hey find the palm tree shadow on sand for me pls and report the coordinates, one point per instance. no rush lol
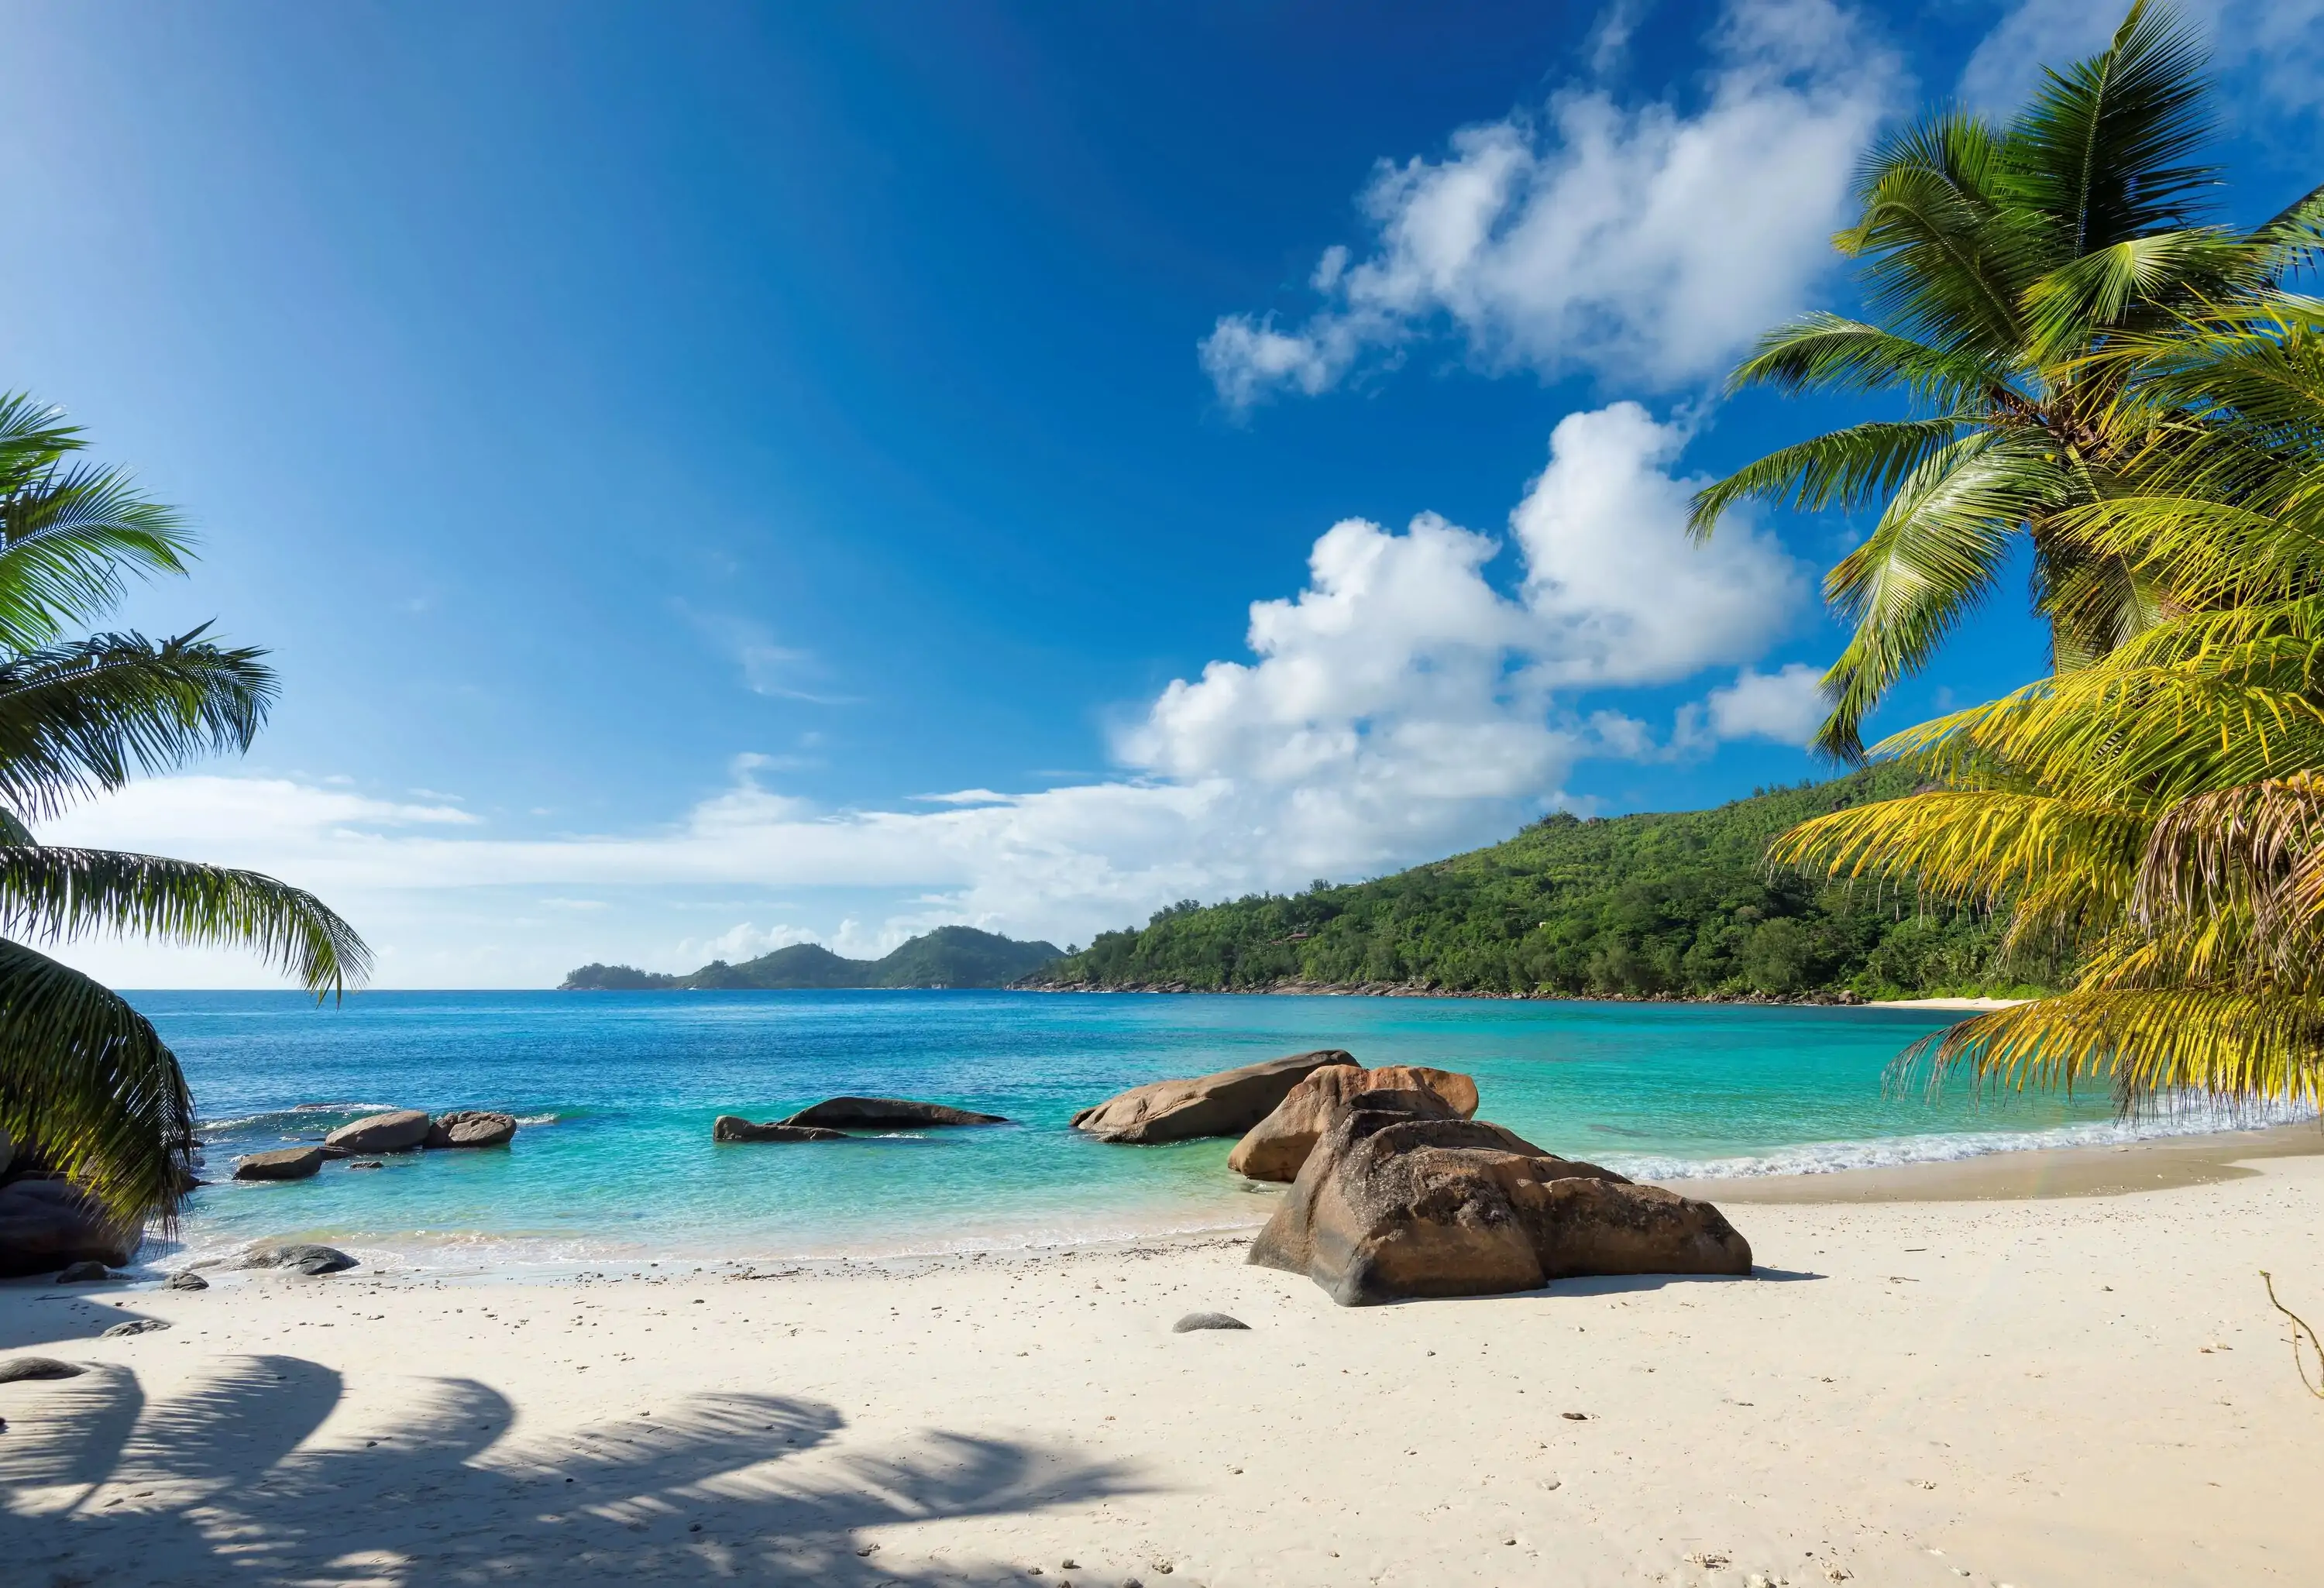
(227, 1483)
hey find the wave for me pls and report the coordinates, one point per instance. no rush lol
(1827, 1157)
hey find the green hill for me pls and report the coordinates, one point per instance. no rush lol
(1677, 905)
(949, 956)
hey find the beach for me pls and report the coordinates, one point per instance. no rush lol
(2039, 1391)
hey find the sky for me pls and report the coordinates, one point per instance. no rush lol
(717, 475)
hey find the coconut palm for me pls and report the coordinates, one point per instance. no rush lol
(86, 1082)
(2001, 266)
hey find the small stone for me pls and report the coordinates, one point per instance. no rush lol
(83, 1273)
(1069, 1564)
(185, 1279)
(366, 1163)
(135, 1326)
(867, 1549)
(1575, 1416)
(1206, 1320)
(37, 1367)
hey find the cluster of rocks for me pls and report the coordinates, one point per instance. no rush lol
(401, 1129)
(821, 1120)
(1398, 1190)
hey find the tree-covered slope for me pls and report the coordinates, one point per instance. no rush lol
(1678, 905)
(949, 956)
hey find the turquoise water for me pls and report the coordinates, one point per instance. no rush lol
(615, 1162)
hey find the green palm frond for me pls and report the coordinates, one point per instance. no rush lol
(67, 535)
(54, 893)
(1842, 469)
(87, 1077)
(82, 716)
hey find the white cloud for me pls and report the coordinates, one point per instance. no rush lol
(2279, 44)
(1645, 243)
(1402, 705)
(1787, 706)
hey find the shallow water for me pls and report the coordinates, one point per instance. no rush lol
(615, 1162)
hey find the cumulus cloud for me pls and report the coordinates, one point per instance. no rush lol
(2277, 45)
(1406, 702)
(1645, 241)
(1787, 706)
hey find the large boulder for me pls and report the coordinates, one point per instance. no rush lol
(468, 1127)
(1389, 1206)
(303, 1257)
(46, 1225)
(280, 1163)
(397, 1131)
(1227, 1103)
(731, 1127)
(889, 1114)
(1275, 1148)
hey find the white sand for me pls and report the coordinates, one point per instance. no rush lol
(1961, 1004)
(2028, 1392)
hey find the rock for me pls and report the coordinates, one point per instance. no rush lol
(366, 1163)
(38, 1367)
(1206, 1320)
(469, 1127)
(1275, 1148)
(395, 1132)
(730, 1127)
(1227, 1103)
(887, 1113)
(300, 1256)
(1389, 1206)
(83, 1273)
(49, 1225)
(134, 1327)
(282, 1163)
(185, 1279)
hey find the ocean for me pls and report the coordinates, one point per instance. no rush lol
(614, 1164)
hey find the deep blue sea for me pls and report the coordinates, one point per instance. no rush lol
(617, 1091)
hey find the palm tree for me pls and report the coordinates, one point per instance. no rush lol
(2002, 266)
(86, 1082)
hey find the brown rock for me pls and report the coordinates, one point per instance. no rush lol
(1389, 1206)
(729, 1127)
(46, 1225)
(283, 1163)
(1275, 1148)
(889, 1114)
(1227, 1103)
(396, 1132)
(469, 1127)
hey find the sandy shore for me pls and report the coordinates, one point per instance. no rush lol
(2082, 1389)
(1969, 1004)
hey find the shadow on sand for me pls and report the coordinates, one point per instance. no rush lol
(228, 1482)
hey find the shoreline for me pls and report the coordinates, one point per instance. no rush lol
(1912, 1395)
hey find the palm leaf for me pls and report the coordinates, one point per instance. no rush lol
(87, 1077)
(54, 893)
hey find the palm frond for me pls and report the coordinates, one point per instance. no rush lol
(81, 716)
(1843, 468)
(87, 1078)
(54, 893)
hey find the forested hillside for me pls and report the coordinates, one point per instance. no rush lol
(1673, 905)
(949, 956)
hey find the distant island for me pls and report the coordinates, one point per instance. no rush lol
(1666, 905)
(949, 956)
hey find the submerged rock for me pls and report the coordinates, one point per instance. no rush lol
(302, 1257)
(1388, 1207)
(1194, 1321)
(282, 1163)
(887, 1113)
(731, 1127)
(49, 1225)
(471, 1127)
(1275, 1148)
(397, 1131)
(1226, 1104)
(18, 1368)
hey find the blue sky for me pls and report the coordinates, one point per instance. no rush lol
(714, 476)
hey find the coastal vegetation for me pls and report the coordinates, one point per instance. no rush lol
(1663, 905)
(948, 956)
(88, 1088)
(2136, 389)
